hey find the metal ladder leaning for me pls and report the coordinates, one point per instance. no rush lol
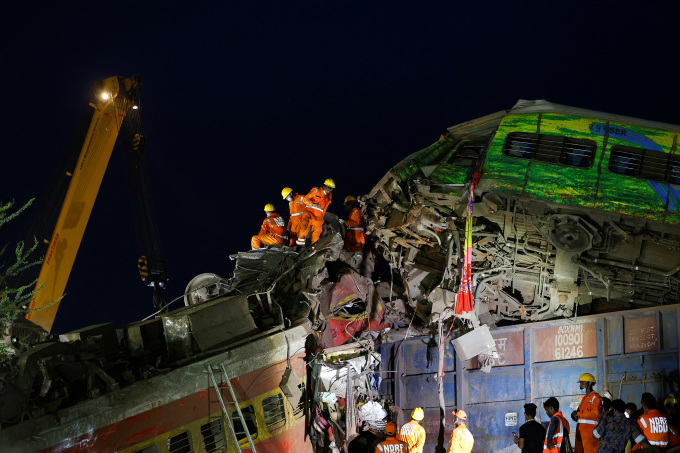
(224, 407)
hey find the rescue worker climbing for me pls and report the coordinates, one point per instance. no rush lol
(356, 225)
(558, 429)
(587, 416)
(297, 208)
(273, 230)
(412, 433)
(461, 438)
(391, 443)
(316, 203)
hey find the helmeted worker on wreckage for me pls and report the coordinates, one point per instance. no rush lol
(273, 230)
(461, 438)
(391, 443)
(355, 224)
(413, 433)
(316, 203)
(296, 205)
(587, 416)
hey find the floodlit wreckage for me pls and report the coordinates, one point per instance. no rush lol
(541, 212)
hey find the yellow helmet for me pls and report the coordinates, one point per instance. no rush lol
(670, 401)
(330, 183)
(418, 414)
(587, 377)
(269, 207)
(285, 192)
(350, 198)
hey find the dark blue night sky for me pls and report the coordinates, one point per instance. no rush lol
(243, 98)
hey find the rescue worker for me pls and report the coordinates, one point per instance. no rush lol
(356, 225)
(412, 433)
(461, 438)
(587, 416)
(653, 424)
(316, 203)
(670, 405)
(273, 230)
(297, 208)
(558, 428)
(391, 443)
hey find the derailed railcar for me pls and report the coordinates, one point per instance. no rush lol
(575, 211)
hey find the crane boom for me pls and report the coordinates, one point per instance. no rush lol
(115, 96)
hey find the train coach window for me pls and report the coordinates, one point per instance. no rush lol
(467, 155)
(180, 443)
(249, 416)
(300, 410)
(213, 436)
(148, 449)
(645, 163)
(274, 412)
(554, 149)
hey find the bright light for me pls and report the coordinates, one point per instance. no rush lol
(104, 95)
(134, 107)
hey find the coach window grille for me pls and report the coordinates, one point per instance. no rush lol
(466, 155)
(148, 449)
(213, 436)
(674, 170)
(300, 410)
(645, 163)
(180, 443)
(554, 149)
(249, 416)
(274, 412)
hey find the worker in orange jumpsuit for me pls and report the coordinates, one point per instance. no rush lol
(653, 424)
(316, 201)
(356, 226)
(391, 443)
(273, 230)
(558, 429)
(461, 439)
(297, 208)
(412, 433)
(587, 416)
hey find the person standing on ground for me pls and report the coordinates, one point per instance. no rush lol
(558, 429)
(297, 208)
(653, 424)
(316, 203)
(412, 433)
(587, 416)
(615, 431)
(272, 231)
(461, 438)
(391, 443)
(532, 433)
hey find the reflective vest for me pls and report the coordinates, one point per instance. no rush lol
(461, 440)
(317, 196)
(392, 444)
(297, 207)
(355, 231)
(274, 224)
(414, 436)
(589, 410)
(561, 431)
(654, 426)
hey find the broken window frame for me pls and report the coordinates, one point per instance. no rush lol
(550, 149)
(477, 147)
(251, 423)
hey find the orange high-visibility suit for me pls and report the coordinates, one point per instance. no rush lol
(654, 427)
(356, 225)
(297, 208)
(588, 413)
(316, 202)
(392, 444)
(414, 436)
(461, 440)
(559, 431)
(272, 232)
(673, 437)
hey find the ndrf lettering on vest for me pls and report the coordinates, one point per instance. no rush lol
(391, 448)
(658, 425)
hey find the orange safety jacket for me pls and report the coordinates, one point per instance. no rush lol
(561, 431)
(392, 444)
(274, 224)
(414, 436)
(589, 410)
(317, 196)
(356, 225)
(654, 426)
(673, 437)
(461, 440)
(297, 207)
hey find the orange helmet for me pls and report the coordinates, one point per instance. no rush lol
(460, 414)
(391, 428)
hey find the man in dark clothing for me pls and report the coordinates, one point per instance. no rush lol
(532, 433)
(614, 432)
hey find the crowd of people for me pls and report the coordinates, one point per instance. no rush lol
(306, 220)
